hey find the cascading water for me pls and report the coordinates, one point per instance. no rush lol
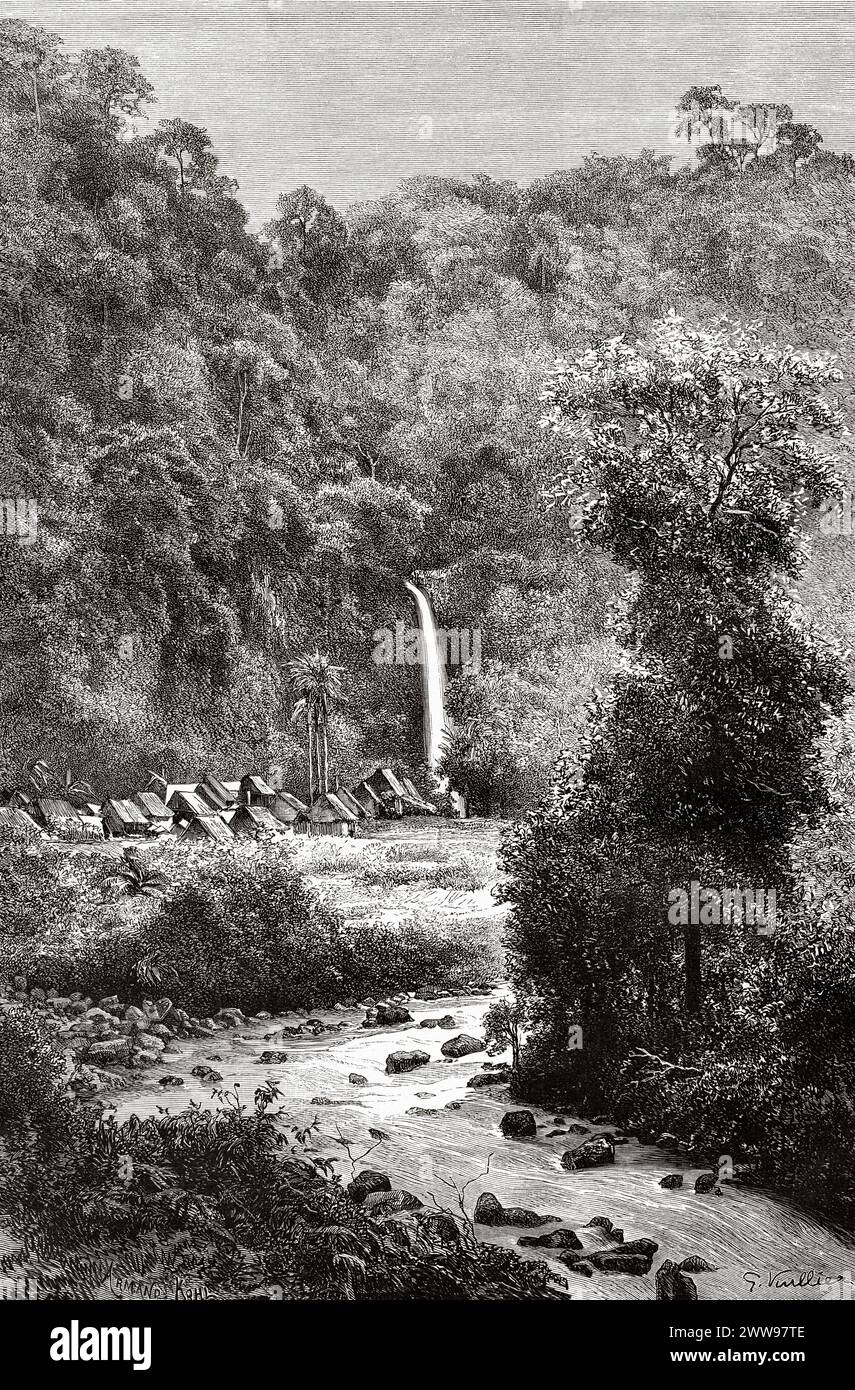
(433, 685)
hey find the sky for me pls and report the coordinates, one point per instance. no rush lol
(351, 96)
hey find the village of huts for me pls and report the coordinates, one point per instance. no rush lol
(214, 809)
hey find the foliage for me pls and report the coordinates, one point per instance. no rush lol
(244, 1211)
(691, 455)
(29, 1076)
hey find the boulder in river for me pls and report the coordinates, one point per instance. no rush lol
(671, 1181)
(389, 1014)
(489, 1078)
(206, 1074)
(462, 1046)
(707, 1182)
(594, 1153)
(554, 1240)
(272, 1058)
(673, 1286)
(367, 1181)
(168, 1081)
(578, 1129)
(490, 1212)
(518, 1124)
(632, 1257)
(357, 1079)
(230, 1018)
(398, 1062)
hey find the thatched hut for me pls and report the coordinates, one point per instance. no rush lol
(368, 799)
(390, 791)
(248, 822)
(19, 822)
(327, 816)
(288, 809)
(216, 793)
(207, 827)
(185, 802)
(346, 799)
(160, 818)
(123, 817)
(254, 791)
(59, 817)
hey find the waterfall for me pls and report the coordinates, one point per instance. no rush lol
(433, 687)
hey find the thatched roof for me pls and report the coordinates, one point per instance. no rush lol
(215, 791)
(385, 783)
(247, 819)
(55, 811)
(188, 804)
(208, 827)
(124, 811)
(350, 801)
(18, 820)
(256, 784)
(367, 798)
(327, 808)
(154, 808)
(288, 808)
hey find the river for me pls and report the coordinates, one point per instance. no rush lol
(762, 1247)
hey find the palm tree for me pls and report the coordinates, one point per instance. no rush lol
(73, 788)
(32, 777)
(133, 879)
(317, 684)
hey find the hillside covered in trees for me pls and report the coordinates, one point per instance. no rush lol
(239, 447)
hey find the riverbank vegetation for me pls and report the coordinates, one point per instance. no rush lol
(696, 458)
(305, 419)
(214, 1203)
(237, 927)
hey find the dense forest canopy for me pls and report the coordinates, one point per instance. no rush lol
(240, 446)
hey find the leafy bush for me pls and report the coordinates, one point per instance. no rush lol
(30, 1070)
(245, 1209)
(250, 933)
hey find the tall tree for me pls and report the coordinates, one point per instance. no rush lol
(31, 64)
(801, 142)
(114, 79)
(317, 684)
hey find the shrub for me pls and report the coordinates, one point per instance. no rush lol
(42, 889)
(218, 1187)
(249, 934)
(30, 1071)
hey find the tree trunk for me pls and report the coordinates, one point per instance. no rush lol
(692, 958)
(311, 760)
(326, 785)
(243, 389)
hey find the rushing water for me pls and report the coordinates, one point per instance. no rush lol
(433, 683)
(751, 1236)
